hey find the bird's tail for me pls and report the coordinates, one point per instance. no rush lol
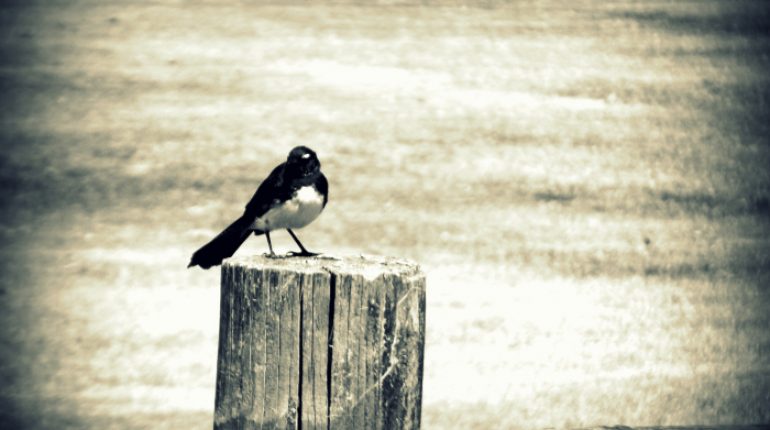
(222, 246)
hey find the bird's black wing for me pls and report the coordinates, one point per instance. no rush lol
(271, 191)
(323, 187)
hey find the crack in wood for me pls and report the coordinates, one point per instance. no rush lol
(301, 356)
(330, 350)
(266, 288)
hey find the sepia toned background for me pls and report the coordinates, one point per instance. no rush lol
(586, 186)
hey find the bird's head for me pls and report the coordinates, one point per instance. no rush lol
(303, 161)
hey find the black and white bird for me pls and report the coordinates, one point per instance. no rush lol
(291, 197)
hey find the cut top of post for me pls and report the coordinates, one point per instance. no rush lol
(368, 266)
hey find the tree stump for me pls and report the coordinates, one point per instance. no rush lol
(320, 343)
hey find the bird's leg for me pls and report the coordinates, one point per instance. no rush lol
(269, 244)
(305, 252)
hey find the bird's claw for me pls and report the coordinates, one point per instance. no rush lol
(302, 254)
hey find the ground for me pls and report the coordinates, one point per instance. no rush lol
(585, 185)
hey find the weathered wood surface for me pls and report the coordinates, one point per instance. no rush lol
(320, 343)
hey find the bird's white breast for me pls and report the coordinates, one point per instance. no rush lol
(304, 206)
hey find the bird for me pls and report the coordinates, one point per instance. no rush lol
(291, 197)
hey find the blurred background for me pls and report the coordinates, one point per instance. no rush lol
(585, 184)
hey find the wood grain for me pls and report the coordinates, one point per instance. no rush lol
(320, 343)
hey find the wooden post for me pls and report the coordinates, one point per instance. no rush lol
(320, 343)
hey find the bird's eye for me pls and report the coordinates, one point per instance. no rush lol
(305, 156)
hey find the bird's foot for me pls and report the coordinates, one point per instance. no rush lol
(270, 255)
(303, 253)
